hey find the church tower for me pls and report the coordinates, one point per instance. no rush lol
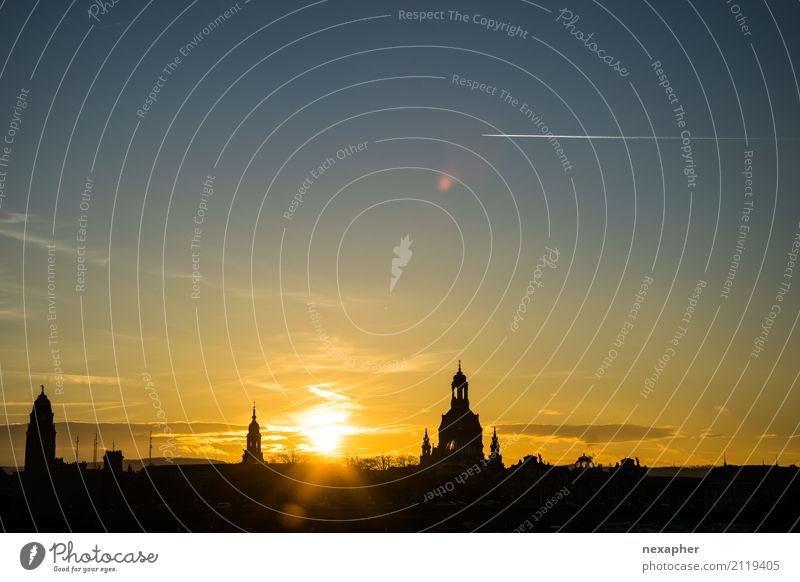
(252, 454)
(460, 432)
(494, 450)
(459, 390)
(426, 449)
(40, 440)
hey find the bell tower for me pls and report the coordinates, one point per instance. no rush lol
(459, 390)
(426, 449)
(252, 454)
(494, 449)
(40, 439)
(460, 432)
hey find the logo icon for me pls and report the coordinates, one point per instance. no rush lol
(402, 256)
(31, 555)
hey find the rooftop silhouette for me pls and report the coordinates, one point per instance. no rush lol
(454, 487)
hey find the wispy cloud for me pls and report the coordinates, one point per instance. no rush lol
(329, 395)
(550, 412)
(772, 435)
(13, 226)
(591, 434)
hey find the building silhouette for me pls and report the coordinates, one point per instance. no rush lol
(425, 457)
(460, 432)
(252, 454)
(112, 461)
(452, 489)
(40, 439)
(495, 458)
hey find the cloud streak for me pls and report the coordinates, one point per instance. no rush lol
(591, 434)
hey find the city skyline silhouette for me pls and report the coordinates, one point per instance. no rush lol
(282, 266)
(294, 494)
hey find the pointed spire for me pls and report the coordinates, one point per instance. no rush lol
(459, 367)
(426, 448)
(42, 388)
(494, 448)
(254, 409)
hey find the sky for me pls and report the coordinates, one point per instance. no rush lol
(317, 207)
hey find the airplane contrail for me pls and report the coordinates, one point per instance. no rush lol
(650, 137)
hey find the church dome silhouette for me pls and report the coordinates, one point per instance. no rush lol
(42, 403)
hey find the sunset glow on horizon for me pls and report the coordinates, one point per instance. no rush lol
(319, 209)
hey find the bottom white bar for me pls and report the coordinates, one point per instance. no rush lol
(369, 557)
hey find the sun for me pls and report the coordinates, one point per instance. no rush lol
(326, 439)
(325, 428)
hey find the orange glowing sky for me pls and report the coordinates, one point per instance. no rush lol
(316, 218)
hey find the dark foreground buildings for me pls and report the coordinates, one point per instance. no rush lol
(454, 488)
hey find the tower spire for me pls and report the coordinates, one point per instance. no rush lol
(426, 449)
(40, 438)
(253, 454)
(494, 449)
